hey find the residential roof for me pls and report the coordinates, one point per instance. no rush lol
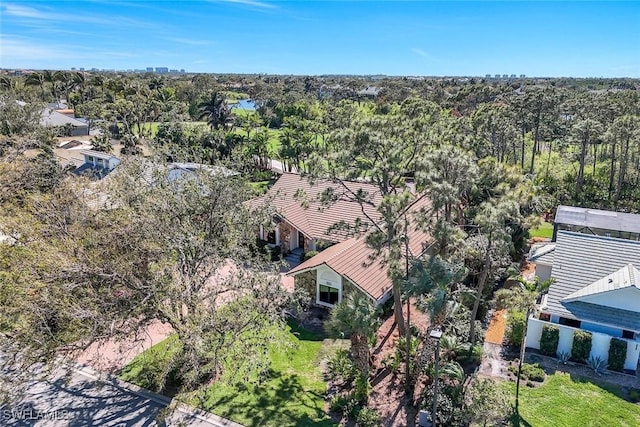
(298, 202)
(92, 171)
(99, 154)
(596, 218)
(542, 253)
(356, 261)
(626, 277)
(53, 118)
(192, 167)
(581, 260)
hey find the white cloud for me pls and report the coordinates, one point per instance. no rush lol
(419, 52)
(32, 15)
(253, 3)
(16, 49)
(191, 42)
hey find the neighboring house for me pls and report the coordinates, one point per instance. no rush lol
(595, 221)
(181, 170)
(97, 164)
(596, 288)
(304, 223)
(52, 118)
(352, 266)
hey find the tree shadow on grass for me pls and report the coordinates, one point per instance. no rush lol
(282, 401)
(518, 421)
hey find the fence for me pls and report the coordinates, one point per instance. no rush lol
(599, 342)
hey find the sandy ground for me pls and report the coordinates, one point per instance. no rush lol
(495, 331)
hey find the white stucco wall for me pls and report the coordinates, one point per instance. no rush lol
(599, 342)
(624, 299)
(633, 352)
(600, 345)
(543, 271)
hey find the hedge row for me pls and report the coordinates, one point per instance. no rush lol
(549, 340)
(581, 346)
(617, 354)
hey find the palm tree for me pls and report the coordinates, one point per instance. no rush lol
(522, 298)
(36, 79)
(356, 318)
(216, 111)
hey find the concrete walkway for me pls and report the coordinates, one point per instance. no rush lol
(79, 396)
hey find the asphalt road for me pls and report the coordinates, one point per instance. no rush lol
(73, 397)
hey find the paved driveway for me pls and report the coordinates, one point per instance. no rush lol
(74, 397)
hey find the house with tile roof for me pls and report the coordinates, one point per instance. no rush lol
(596, 289)
(311, 216)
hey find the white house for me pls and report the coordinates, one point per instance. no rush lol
(596, 288)
(97, 164)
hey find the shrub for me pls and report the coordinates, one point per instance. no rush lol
(309, 255)
(340, 366)
(530, 372)
(362, 389)
(470, 357)
(598, 365)
(367, 417)
(617, 354)
(515, 327)
(581, 346)
(345, 405)
(549, 340)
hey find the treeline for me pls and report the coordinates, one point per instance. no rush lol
(578, 138)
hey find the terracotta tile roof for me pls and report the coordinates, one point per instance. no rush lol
(297, 201)
(356, 261)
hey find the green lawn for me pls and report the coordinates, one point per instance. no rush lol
(567, 401)
(543, 230)
(293, 396)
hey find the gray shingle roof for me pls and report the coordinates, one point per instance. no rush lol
(579, 261)
(623, 319)
(595, 218)
(623, 278)
(542, 253)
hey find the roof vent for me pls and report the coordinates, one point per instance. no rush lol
(610, 280)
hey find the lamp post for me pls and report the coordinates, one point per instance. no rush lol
(435, 334)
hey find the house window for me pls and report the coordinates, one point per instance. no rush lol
(569, 322)
(89, 159)
(328, 295)
(271, 237)
(545, 316)
(628, 334)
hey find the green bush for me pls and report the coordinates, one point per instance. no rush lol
(530, 372)
(549, 340)
(340, 366)
(367, 417)
(362, 389)
(515, 327)
(345, 405)
(617, 354)
(581, 346)
(309, 255)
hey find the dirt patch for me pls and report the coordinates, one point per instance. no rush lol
(388, 397)
(497, 326)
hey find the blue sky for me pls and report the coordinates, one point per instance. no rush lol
(579, 39)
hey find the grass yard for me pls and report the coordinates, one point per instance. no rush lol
(564, 400)
(543, 230)
(293, 396)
